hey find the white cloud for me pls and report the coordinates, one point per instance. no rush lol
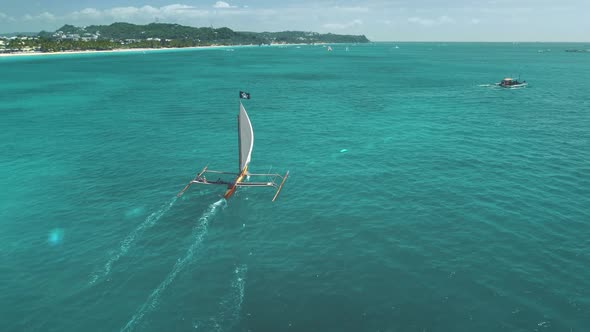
(6, 18)
(475, 21)
(445, 19)
(138, 14)
(430, 22)
(89, 12)
(341, 26)
(222, 4)
(123, 13)
(175, 8)
(45, 16)
(181, 11)
(85, 14)
(353, 9)
(420, 20)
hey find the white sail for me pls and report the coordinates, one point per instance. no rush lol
(246, 137)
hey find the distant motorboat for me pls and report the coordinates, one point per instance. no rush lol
(512, 83)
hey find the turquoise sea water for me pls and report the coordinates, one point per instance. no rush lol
(421, 198)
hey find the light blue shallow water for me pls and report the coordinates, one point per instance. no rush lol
(420, 198)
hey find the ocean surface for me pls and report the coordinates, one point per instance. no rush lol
(421, 197)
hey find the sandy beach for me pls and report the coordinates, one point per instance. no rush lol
(121, 50)
(133, 50)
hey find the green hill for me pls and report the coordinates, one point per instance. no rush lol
(160, 35)
(295, 37)
(197, 36)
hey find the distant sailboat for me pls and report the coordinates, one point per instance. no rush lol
(246, 144)
(329, 48)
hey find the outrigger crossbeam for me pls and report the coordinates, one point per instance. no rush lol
(201, 179)
(271, 183)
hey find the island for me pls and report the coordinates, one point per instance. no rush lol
(120, 35)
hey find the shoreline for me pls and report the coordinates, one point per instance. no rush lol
(118, 50)
(135, 50)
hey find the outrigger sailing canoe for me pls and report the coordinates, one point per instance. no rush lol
(245, 143)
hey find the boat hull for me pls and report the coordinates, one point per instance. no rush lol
(514, 86)
(234, 185)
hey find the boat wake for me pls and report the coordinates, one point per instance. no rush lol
(130, 240)
(498, 86)
(230, 307)
(199, 233)
(239, 285)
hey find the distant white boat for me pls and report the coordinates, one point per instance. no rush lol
(329, 48)
(512, 83)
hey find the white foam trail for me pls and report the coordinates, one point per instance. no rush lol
(130, 239)
(199, 233)
(238, 284)
(230, 307)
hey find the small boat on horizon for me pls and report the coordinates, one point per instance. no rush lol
(512, 83)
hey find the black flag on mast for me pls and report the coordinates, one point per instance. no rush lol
(244, 95)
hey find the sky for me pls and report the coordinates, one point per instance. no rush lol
(379, 20)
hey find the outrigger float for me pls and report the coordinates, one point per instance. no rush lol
(246, 144)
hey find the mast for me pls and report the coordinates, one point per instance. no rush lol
(239, 141)
(245, 135)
